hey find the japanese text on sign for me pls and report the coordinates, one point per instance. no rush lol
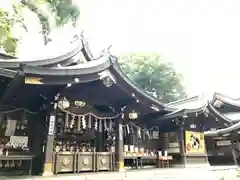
(51, 125)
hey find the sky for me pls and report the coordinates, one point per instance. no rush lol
(201, 38)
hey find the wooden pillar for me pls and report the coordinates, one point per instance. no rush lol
(238, 145)
(233, 148)
(119, 146)
(36, 129)
(234, 156)
(99, 137)
(182, 144)
(104, 144)
(48, 151)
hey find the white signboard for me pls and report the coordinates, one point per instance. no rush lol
(223, 143)
(120, 132)
(11, 126)
(155, 135)
(51, 125)
(18, 141)
(173, 150)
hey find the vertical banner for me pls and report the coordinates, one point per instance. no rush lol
(194, 142)
(51, 125)
(120, 132)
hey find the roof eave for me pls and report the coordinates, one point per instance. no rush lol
(15, 63)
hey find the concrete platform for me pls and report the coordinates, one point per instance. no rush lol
(213, 173)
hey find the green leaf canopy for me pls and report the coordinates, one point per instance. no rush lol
(151, 72)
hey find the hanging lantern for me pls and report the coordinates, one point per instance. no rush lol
(80, 103)
(133, 115)
(63, 104)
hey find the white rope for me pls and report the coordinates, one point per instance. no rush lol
(86, 114)
(18, 109)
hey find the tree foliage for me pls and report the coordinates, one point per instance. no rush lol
(34, 6)
(9, 19)
(156, 76)
(62, 12)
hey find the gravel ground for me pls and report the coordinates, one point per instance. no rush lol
(208, 173)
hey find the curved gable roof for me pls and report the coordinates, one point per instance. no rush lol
(79, 45)
(107, 62)
(220, 99)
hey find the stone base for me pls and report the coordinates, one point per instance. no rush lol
(120, 166)
(47, 170)
(195, 161)
(47, 174)
(197, 165)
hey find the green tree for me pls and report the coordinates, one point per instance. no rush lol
(156, 76)
(61, 11)
(9, 19)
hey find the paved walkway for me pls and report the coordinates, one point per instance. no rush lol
(213, 173)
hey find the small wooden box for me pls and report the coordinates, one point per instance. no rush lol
(103, 161)
(85, 161)
(64, 162)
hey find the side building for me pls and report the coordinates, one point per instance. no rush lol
(183, 131)
(222, 137)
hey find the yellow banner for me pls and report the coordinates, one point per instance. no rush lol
(194, 142)
(33, 80)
